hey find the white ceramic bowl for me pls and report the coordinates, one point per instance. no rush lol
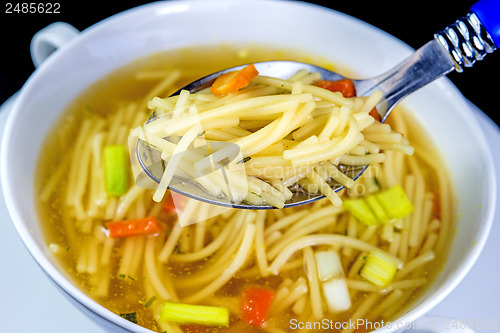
(120, 39)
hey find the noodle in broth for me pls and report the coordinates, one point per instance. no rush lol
(213, 261)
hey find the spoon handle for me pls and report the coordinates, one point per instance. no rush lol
(488, 13)
(457, 46)
(471, 37)
(425, 65)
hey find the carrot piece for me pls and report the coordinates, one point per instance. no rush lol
(344, 86)
(174, 203)
(140, 227)
(347, 88)
(375, 115)
(255, 304)
(233, 81)
(436, 204)
(169, 206)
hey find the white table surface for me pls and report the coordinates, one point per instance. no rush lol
(30, 303)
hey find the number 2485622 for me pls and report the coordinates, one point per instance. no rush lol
(32, 8)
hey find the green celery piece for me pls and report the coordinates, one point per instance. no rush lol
(115, 169)
(377, 208)
(360, 209)
(395, 202)
(379, 269)
(195, 314)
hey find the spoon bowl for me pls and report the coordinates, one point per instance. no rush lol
(458, 46)
(152, 163)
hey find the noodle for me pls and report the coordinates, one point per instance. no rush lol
(312, 275)
(385, 304)
(317, 240)
(362, 310)
(418, 199)
(260, 246)
(206, 251)
(152, 273)
(238, 261)
(288, 112)
(169, 246)
(297, 291)
(415, 263)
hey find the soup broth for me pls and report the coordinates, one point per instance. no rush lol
(214, 261)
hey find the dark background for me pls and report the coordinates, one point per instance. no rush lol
(412, 22)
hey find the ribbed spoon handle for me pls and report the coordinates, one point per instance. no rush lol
(471, 37)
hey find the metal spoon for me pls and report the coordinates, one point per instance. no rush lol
(458, 46)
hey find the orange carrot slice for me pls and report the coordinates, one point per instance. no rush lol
(347, 89)
(255, 304)
(375, 115)
(344, 86)
(233, 81)
(139, 227)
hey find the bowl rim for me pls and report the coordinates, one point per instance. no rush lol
(66, 283)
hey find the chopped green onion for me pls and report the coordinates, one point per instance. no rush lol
(337, 295)
(379, 268)
(395, 202)
(381, 207)
(195, 314)
(329, 265)
(244, 160)
(150, 302)
(132, 316)
(115, 169)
